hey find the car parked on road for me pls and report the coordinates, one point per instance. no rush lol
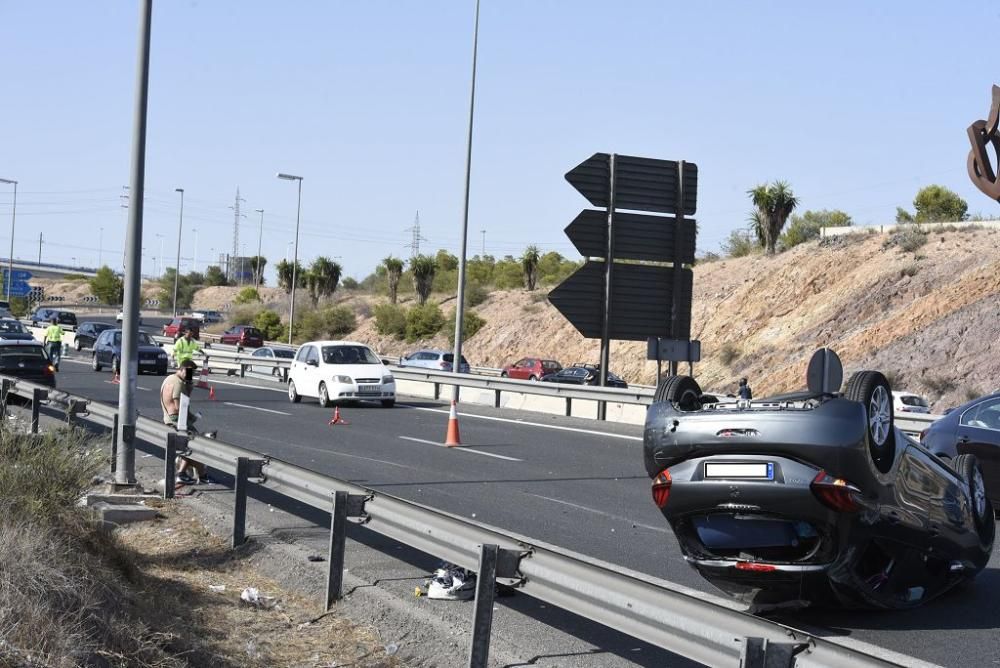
(175, 328)
(108, 352)
(271, 353)
(907, 402)
(584, 374)
(439, 360)
(121, 317)
(338, 371)
(13, 330)
(208, 317)
(28, 360)
(972, 428)
(87, 333)
(531, 368)
(814, 497)
(243, 336)
(45, 315)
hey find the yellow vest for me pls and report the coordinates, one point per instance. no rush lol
(184, 349)
(53, 334)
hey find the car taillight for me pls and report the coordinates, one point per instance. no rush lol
(836, 493)
(50, 370)
(661, 488)
(755, 567)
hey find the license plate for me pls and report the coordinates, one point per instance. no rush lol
(147, 362)
(368, 389)
(748, 470)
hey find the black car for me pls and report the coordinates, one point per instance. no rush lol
(814, 498)
(45, 315)
(87, 333)
(27, 360)
(13, 330)
(108, 352)
(972, 428)
(583, 374)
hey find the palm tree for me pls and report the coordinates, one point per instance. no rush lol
(393, 271)
(423, 268)
(774, 203)
(322, 278)
(529, 264)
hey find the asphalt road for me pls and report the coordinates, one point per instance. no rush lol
(569, 482)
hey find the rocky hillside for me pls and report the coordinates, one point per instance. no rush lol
(928, 316)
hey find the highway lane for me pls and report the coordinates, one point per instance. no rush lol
(568, 482)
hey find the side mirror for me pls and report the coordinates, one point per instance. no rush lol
(312, 363)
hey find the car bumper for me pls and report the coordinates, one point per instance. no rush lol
(373, 392)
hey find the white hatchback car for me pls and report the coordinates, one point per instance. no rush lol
(337, 371)
(907, 402)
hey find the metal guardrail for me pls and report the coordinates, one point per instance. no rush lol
(636, 604)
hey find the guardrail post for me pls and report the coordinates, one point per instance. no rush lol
(482, 620)
(762, 653)
(437, 391)
(335, 558)
(240, 516)
(36, 397)
(602, 410)
(569, 406)
(496, 399)
(4, 392)
(114, 444)
(175, 442)
(243, 370)
(284, 375)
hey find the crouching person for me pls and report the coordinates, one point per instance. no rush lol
(173, 387)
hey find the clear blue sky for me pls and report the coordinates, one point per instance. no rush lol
(856, 103)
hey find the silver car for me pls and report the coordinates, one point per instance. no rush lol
(439, 360)
(270, 354)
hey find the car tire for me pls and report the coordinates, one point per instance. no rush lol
(388, 403)
(967, 466)
(872, 390)
(293, 396)
(682, 391)
(77, 345)
(533, 377)
(94, 364)
(324, 396)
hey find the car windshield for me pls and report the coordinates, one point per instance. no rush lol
(450, 357)
(911, 400)
(11, 326)
(144, 339)
(100, 326)
(349, 355)
(32, 352)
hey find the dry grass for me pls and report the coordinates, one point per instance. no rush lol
(728, 353)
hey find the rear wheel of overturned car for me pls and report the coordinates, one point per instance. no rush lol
(683, 391)
(872, 390)
(967, 466)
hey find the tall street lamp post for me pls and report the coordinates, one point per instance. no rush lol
(177, 268)
(257, 271)
(13, 216)
(295, 257)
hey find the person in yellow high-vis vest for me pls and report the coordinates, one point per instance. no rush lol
(185, 348)
(53, 342)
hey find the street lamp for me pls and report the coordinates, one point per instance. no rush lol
(257, 270)
(177, 269)
(295, 257)
(13, 215)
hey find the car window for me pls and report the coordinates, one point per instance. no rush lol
(282, 353)
(312, 355)
(260, 352)
(252, 331)
(21, 351)
(349, 355)
(11, 326)
(303, 353)
(550, 365)
(118, 338)
(913, 400)
(99, 327)
(144, 339)
(984, 416)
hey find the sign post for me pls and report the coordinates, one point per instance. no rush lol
(635, 268)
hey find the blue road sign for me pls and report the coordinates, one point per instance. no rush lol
(18, 274)
(18, 289)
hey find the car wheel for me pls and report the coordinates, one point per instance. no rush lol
(967, 466)
(276, 372)
(871, 390)
(78, 345)
(682, 391)
(388, 403)
(293, 396)
(94, 364)
(324, 396)
(533, 377)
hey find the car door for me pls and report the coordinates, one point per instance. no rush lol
(297, 372)
(978, 433)
(100, 346)
(260, 353)
(518, 370)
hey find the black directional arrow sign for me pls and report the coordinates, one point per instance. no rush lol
(641, 300)
(642, 184)
(637, 237)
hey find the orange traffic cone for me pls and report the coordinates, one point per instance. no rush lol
(202, 380)
(116, 380)
(336, 419)
(211, 392)
(452, 439)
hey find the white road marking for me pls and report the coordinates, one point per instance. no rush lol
(597, 512)
(138, 387)
(255, 408)
(529, 424)
(462, 449)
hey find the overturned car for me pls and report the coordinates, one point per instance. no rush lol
(816, 497)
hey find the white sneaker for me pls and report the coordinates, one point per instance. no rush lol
(453, 584)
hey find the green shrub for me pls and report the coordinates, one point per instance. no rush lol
(475, 294)
(333, 322)
(739, 244)
(908, 237)
(909, 270)
(390, 320)
(471, 323)
(244, 314)
(269, 323)
(247, 296)
(19, 307)
(423, 322)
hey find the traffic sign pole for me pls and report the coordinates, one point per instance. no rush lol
(678, 263)
(602, 407)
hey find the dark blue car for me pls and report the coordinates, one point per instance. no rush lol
(108, 352)
(972, 428)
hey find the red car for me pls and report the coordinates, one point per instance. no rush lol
(243, 336)
(531, 368)
(175, 328)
